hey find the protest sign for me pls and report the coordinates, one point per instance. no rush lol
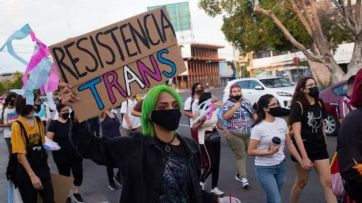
(108, 65)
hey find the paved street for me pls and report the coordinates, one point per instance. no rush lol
(95, 184)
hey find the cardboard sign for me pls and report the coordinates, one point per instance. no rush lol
(110, 64)
(61, 187)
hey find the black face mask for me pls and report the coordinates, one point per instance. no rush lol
(199, 91)
(37, 108)
(65, 115)
(11, 103)
(313, 92)
(236, 98)
(279, 112)
(168, 119)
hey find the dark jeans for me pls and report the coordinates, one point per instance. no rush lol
(28, 193)
(67, 163)
(211, 149)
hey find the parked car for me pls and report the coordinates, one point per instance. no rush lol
(331, 97)
(254, 88)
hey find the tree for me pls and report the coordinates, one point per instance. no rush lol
(14, 83)
(304, 25)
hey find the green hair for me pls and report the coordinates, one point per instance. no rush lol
(149, 104)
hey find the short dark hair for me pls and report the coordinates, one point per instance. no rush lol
(21, 107)
(60, 105)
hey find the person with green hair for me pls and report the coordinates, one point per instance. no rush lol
(158, 165)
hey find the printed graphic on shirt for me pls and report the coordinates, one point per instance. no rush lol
(12, 116)
(175, 181)
(314, 120)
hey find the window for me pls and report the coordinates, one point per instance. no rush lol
(253, 84)
(244, 84)
(276, 82)
(340, 90)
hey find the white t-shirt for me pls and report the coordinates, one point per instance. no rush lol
(187, 106)
(126, 108)
(264, 132)
(10, 115)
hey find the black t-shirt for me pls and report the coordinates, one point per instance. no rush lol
(311, 118)
(176, 183)
(61, 134)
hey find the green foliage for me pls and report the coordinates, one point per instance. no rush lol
(250, 31)
(15, 83)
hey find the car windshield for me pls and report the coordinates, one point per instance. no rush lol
(276, 82)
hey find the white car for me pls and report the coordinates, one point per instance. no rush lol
(253, 88)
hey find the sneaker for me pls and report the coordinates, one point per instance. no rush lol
(113, 187)
(217, 192)
(244, 181)
(77, 198)
(117, 180)
(202, 185)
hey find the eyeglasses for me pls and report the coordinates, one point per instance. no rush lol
(273, 105)
(311, 85)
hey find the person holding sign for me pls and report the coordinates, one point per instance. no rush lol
(159, 165)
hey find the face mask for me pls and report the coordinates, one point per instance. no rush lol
(313, 92)
(279, 112)
(37, 108)
(65, 115)
(11, 103)
(199, 91)
(237, 97)
(168, 119)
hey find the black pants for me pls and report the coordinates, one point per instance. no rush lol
(67, 163)
(212, 150)
(8, 143)
(110, 175)
(28, 193)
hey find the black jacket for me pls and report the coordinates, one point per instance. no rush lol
(140, 159)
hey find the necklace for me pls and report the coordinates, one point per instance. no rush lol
(167, 147)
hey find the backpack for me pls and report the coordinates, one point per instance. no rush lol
(13, 163)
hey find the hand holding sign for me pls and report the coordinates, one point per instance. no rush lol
(67, 94)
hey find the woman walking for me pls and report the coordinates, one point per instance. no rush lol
(306, 118)
(66, 159)
(27, 139)
(269, 136)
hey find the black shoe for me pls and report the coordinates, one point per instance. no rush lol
(113, 187)
(69, 200)
(117, 180)
(76, 197)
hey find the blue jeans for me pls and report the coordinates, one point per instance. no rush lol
(271, 179)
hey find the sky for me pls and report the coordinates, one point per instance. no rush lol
(56, 20)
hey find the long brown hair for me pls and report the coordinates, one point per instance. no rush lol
(299, 95)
